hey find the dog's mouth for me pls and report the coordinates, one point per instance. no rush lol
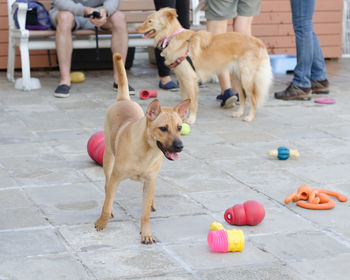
(149, 34)
(167, 154)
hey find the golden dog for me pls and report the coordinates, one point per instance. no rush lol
(200, 54)
(134, 145)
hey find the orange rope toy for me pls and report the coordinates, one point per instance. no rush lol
(317, 199)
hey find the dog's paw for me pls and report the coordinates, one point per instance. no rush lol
(237, 114)
(248, 118)
(101, 223)
(191, 119)
(147, 238)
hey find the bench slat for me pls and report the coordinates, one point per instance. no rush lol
(136, 5)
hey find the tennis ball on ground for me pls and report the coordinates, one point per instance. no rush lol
(77, 77)
(185, 129)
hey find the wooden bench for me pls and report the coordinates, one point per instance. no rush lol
(135, 10)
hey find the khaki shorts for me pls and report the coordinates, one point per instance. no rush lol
(80, 22)
(227, 9)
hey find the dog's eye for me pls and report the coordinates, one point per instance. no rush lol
(179, 128)
(149, 21)
(163, 128)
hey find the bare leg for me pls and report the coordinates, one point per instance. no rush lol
(218, 27)
(164, 80)
(64, 26)
(243, 25)
(119, 41)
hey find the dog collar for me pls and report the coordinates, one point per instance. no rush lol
(162, 44)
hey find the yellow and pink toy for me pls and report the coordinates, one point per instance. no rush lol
(222, 240)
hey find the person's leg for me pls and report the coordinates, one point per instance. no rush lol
(163, 70)
(64, 26)
(302, 13)
(218, 27)
(300, 87)
(319, 81)
(119, 42)
(243, 24)
(318, 69)
(183, 11)
(217, 13)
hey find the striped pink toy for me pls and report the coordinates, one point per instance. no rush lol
(223, 241)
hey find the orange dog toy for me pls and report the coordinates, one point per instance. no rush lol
(317, 199)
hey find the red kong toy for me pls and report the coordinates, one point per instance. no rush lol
(145, 93)
(96, 146)
(250, 213)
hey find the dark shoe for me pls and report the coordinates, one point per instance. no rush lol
(201, 85)
(293, 92)
(169, 86)
(131, 89)
(228, 99)
(62, 91)
(320, 87)
(219, 97)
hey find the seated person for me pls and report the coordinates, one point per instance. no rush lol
(69, 15)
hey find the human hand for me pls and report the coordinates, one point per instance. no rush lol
(88, 11)
(100, 21)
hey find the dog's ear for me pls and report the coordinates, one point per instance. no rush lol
(182, 108)
(171, 13)
(153, 110)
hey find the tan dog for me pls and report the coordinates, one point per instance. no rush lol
(200, 54)
(135, 144)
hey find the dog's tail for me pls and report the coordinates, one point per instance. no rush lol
(263, 81)
(123, 87)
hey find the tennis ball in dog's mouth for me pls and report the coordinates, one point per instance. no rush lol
(185, 129)
(77, 77)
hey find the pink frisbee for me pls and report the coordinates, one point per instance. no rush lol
(325, 100)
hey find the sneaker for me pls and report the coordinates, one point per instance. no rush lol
(131, 89)
(169, 86)
(219, 97)
(201, 84)
(228, 99)
(62, 91)
(293, 92)
(320, 87)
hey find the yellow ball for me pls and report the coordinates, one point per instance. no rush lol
(185, 129)
(77, 77)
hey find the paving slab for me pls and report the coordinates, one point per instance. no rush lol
(23, 243)
(272, 271)
(117, 235)
(144, 261)
(324, 268)
(55, 267)
(302, 245)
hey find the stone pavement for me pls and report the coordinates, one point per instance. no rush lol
(51, 192)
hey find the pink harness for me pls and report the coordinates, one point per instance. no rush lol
(162, 44)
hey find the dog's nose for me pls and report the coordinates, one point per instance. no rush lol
(178, 146)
